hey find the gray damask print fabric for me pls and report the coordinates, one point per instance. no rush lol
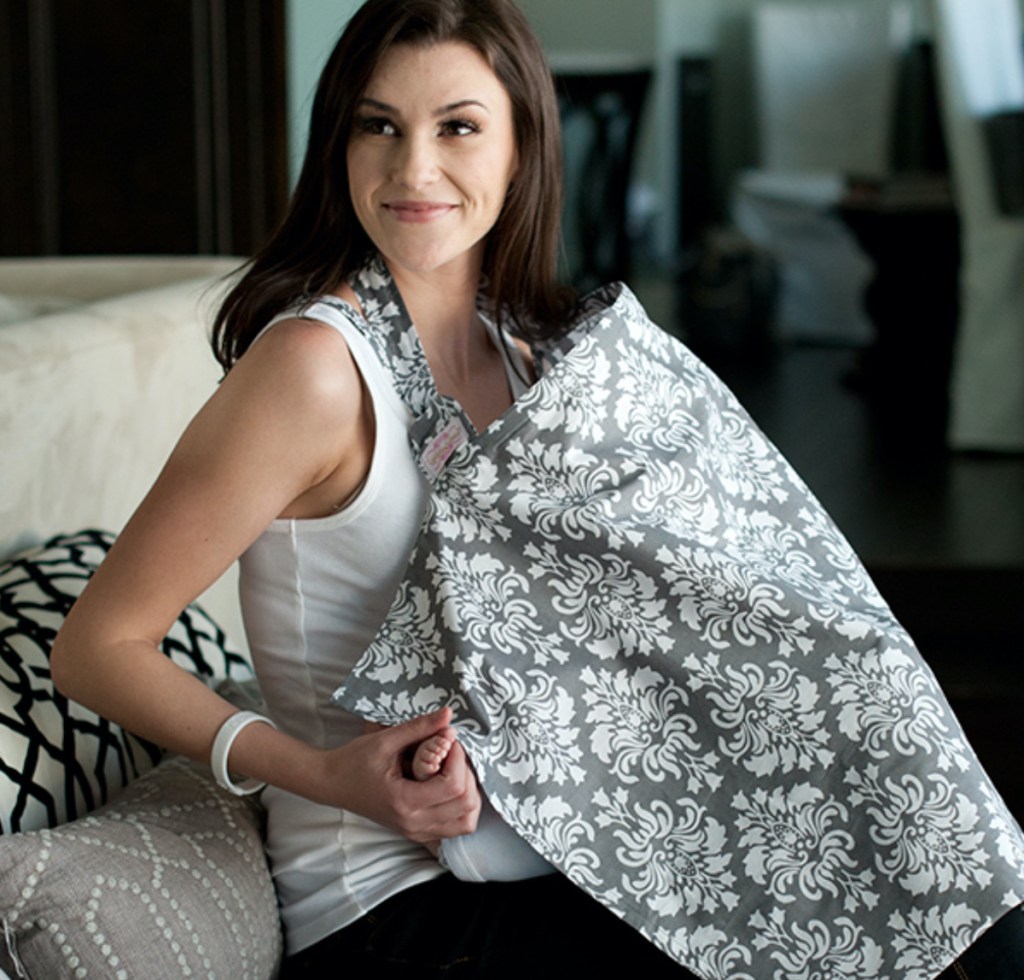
(673, 675)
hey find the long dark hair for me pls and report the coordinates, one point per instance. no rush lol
(320, 242)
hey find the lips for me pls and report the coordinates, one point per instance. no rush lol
(418, 211)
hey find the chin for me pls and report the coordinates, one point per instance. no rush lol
(441, 261)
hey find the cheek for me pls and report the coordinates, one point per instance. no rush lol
(361, 164)
(503, 169)
(513, 167)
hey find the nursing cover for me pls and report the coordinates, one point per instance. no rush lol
(673, 676)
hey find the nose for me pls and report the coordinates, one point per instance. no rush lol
(415, 163)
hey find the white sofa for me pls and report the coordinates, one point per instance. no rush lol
(112, 862)
(102, 364)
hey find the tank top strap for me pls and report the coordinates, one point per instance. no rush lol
(389, 328)
(439, 425)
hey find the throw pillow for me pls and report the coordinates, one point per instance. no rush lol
(168, 880)
(59, 760)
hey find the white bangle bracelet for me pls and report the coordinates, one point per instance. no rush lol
(225, 738)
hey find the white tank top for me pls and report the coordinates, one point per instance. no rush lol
(313, 593)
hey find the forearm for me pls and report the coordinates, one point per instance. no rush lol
(135, 685)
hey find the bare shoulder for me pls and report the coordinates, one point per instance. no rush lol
(301, 362)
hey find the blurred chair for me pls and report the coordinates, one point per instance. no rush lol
(826, 78)
(981, 68)
(601, 101)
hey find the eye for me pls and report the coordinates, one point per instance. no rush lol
(376, 126)
(459, 127)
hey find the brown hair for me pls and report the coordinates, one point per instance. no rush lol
(320, 242)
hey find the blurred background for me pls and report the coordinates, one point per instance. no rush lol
(824, 198)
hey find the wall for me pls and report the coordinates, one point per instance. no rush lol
(594, 25)
(311, 28)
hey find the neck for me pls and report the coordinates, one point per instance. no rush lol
(442, 305)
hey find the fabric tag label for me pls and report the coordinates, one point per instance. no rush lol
(440, 447)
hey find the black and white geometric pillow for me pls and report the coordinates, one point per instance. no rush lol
(58, 760)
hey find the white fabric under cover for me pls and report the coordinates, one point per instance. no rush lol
(314, 593)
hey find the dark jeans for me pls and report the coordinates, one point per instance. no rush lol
(445, 928)
(997, 955)
(542, 929)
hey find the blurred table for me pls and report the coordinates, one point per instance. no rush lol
(909, 227)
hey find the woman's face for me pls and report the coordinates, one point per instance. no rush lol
(431, 155)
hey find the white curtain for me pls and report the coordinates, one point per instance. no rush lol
(982, 72)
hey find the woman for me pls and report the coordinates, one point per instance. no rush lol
(434, 144)
(434, 139)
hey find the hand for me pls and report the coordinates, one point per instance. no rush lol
(367, 776)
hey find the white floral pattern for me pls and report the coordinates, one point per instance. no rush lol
(468, 511)
(891, 702)
(673, 857)
(550, 825)
(927, 832)
(560, 492)
(727, 602)
(615, 608)
(641, 727)
(927, 939)
(771, 716)
(579, 401)
(798, 844)
(673, 675)
(489, 605)
(530, 723)
(817, 950)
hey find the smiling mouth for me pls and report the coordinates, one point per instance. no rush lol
(418, 211)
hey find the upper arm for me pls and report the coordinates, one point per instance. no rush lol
(287, 417)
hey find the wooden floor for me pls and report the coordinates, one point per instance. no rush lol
(903, 501)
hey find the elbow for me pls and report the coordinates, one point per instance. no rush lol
(61, 672)
(67, 668)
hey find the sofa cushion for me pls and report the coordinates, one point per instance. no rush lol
(168, 880)
(59, 760)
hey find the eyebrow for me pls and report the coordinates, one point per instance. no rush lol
(442, 111)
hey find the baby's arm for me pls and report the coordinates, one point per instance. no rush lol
(430, 754)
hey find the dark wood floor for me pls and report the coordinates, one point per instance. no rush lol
(901, 498)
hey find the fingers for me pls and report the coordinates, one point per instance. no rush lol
(461, 811)
(419, 729)
(447, 805)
